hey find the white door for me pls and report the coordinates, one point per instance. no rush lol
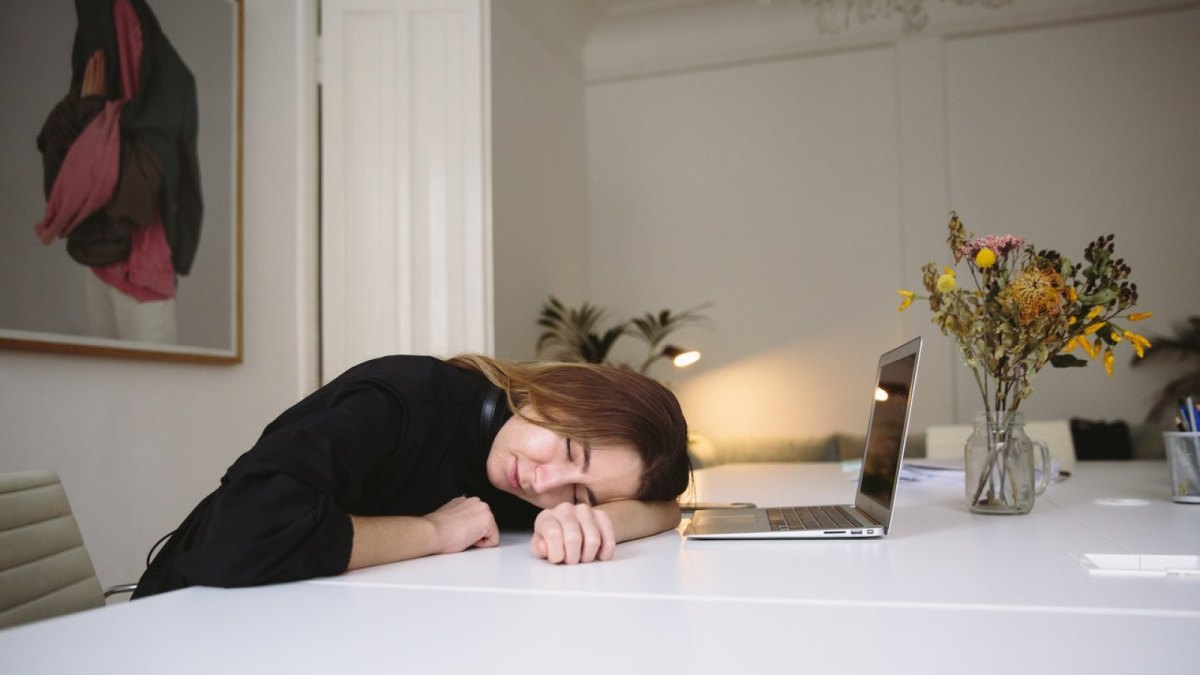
(406, 246)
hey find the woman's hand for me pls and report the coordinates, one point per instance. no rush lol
(93, 76)
(458, 525)
(573, 533)
(464, 522)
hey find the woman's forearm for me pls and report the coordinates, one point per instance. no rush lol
(459, 524)
(385, 539)
(634, 519)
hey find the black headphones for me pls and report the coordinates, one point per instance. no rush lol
(487, 414)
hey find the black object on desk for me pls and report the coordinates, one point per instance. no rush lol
(1100, 440)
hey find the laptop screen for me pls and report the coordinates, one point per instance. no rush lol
(889, 422)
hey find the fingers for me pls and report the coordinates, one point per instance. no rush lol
(491, 537)
(93, 75)
(538, 545)
(573, 533)
(464, 522)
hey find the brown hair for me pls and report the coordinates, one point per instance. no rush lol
(600, 404)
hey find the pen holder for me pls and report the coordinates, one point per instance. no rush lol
(1183, 455)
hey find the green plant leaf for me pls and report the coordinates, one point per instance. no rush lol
(1067, 361)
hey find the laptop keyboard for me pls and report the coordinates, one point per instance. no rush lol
(810, 518)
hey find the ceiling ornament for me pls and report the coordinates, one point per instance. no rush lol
(834, 16)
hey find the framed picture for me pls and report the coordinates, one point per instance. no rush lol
(121, 232)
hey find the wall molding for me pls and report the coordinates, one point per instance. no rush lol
(719, 34)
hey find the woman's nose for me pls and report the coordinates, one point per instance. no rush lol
(548, 477)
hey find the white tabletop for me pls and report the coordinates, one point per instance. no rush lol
(936, 554)
(945, 591)
(324, 629)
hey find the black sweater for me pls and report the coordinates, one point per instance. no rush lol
(399, 435)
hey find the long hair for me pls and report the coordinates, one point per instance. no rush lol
(600, 404)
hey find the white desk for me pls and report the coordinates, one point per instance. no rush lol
(936, 554)
(946, 591)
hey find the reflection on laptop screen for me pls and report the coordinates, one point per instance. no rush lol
(882, 459)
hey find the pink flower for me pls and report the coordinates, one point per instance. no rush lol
(1000, 244)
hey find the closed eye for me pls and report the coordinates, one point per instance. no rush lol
(571, 460)
(589, 498)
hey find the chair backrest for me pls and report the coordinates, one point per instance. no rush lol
(947, 441)
(45, 570)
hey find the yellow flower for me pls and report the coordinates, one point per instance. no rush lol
(1071, 321)
(946, 283)
(985, 258)
(1095, 312)
(948, 270)
(1092, 348)
(908, 299)
(1140, 343)
(1072, 344)
(1139, 316)
(1116, 337)
(1071, 294)
(1108, 361)
(1093, 328)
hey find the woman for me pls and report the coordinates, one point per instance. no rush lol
(407, 456)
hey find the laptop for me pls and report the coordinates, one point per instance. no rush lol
(871, 513)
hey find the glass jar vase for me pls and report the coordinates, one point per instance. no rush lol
(1000, 476)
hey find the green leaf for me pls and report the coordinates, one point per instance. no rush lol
(1067, 361)
(1102, 297)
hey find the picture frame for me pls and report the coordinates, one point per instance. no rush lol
(48, 300)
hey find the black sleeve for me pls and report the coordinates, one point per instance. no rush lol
(281, 512)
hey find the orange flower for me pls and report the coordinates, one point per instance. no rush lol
(1037, 292)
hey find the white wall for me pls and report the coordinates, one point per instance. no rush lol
(798, 179)
(136, 443)
(538, 165)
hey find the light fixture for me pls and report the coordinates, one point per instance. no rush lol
(682, 358)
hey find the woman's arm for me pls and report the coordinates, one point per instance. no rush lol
(634, 519)
(574, 533)
(460, 524)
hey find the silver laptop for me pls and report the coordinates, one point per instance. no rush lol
(871, 513)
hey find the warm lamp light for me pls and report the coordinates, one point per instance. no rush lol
(682, 358)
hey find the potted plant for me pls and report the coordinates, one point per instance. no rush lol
(1183, 345)
(582, 333)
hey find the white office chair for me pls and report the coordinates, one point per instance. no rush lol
(947, 441)
(45, 570)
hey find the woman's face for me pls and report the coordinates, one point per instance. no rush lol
(546, 468)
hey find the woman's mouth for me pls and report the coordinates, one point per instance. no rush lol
(514, 478)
